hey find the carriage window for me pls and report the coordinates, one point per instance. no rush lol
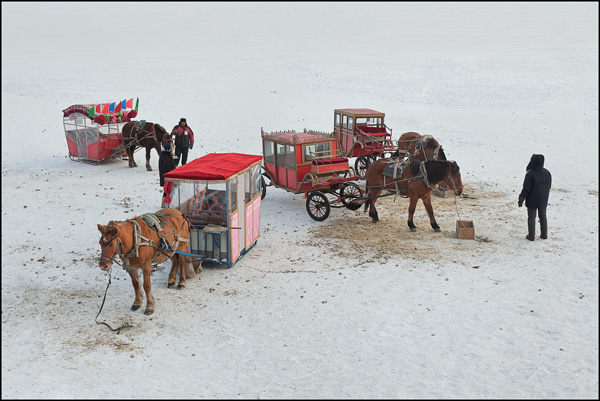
(247, 186)
(350, 123)
(316, 151)
(345, 121)
(256, 184)
(290, 157)
(233, 189)
(337, 119)
(269, 152)
(280, 155)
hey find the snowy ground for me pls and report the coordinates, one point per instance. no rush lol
(338, 309)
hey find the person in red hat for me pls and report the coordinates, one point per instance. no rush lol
(184, 140)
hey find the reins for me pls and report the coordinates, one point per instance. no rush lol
(124, 325)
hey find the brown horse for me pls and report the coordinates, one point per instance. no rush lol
(141, 241)
(143, 134)
(423, 147)
(414, 178)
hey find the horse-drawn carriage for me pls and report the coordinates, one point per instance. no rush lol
(93, 137)
(309, 162)
(220, 193)
(362, 133)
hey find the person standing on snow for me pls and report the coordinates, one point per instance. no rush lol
(535, 193)
(184, 140)
(167, 162)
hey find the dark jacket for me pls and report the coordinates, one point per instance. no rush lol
(166, 163)
(537, 183)
(182, 140)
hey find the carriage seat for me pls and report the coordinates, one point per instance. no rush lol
(332, 160)
(329, 166)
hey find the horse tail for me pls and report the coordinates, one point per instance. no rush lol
(366, 200)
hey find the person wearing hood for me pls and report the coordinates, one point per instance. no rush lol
(166, 163)
(184, 140)
(535, 193)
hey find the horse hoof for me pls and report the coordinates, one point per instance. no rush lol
(148, 312)
(413, 230)
(171, 285)
(437, 230)
(181, 286)
(135, 307)
(149, 168)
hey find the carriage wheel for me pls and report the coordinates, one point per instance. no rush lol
(360, 165)
(317, 206)
(348, 193)
(264, 187)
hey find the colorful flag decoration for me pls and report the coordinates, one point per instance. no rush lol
(98, 108)
(124, 104)
(111, 108)
(105, 109)
(118, 108)
(91, 112)
(137, 102)
(129, 104)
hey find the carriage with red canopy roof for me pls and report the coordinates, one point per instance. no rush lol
(220, 193)
(310, 162)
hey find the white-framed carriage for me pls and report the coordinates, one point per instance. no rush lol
(220, 193)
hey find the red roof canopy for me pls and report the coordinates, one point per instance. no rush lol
(213, 167)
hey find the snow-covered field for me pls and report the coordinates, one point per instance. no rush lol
(338, 309)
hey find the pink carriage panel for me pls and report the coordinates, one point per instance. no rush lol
(256, 219)
(234, 237)
(249, 223)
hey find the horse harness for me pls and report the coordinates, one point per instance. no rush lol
(139, 128)
(153, 221)
(394, 169)
(422, 144)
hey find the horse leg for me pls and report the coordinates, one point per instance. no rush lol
(148, 167)
(130, 151)
(372, 210)
(173, 272)
(411, 211)
(182, 261)
(147, 288)
(427, 203)
(135, 281)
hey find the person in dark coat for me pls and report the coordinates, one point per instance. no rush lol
(535, 193)
(167, 162)
(184, 140)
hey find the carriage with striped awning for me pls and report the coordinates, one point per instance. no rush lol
(94, 131)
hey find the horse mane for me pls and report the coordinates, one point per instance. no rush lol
(436, 169)
(441, 154)
(455, 168)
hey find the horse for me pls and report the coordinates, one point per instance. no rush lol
(143, 240)
(414, 178)
(143, 134)
(423, 147)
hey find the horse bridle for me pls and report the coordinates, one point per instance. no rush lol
(453, 183)
(103, 245)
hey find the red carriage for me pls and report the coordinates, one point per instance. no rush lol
(310, 162)
(96, 136)
(362, 133)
